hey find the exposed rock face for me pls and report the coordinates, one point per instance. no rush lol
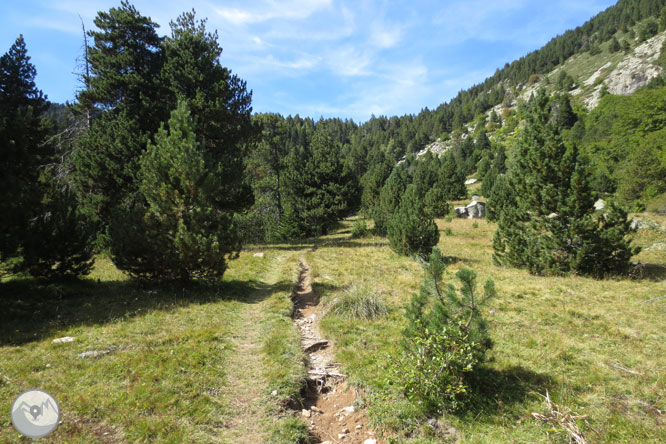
(593, 78)
(437, 148)
(637, 69)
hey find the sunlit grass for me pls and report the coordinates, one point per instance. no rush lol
(595, 345)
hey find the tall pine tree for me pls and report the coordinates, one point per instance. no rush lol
(22, 134)
(552, 228)
(180, 234)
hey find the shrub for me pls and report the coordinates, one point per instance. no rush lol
(448, 232)
(445, 339)
(359, 229)
(359, 301)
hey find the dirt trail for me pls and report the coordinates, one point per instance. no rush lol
(330, 406)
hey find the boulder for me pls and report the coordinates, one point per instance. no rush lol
(471, 181)
(600, 205)
(258, 254)
(461, 211)
(476, 210)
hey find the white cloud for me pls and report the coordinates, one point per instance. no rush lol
(272, 10)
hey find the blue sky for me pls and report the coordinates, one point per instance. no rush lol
(331, 58)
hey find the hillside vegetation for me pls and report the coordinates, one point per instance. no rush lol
(174, 268)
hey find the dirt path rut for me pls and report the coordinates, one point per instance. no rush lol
(331, 407)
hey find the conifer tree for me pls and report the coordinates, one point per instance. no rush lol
(552, 228)
(179, 233)
(316, 185)
(389, 199)
(445, 338)
(124, 95)
(22, 134)
(451, 179)
(410, 230)
(497, 168)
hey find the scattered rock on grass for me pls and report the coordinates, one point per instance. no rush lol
(93, 353)
(63, 340)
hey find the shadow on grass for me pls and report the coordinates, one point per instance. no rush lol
(31, 310)
(649, 271)
(496, 391)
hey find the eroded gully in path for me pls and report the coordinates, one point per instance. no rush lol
(330, 406)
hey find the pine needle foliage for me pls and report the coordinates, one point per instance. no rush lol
(547, 221)
(445, 339)
(179, 233)
(411, 231)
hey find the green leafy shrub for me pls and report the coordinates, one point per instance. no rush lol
(359, 301)
(448, 232)
(446, 338)
(359, 229)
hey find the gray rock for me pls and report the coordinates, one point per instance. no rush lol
(471, 181)
(370, 441)
(552, 216)
(476, 210)
(63, 340)
(637, 224)
(475, 198)
(600, 204)
(461, 211)
(93, 353)
(258, 254)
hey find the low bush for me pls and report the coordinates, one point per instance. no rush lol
(359, 229)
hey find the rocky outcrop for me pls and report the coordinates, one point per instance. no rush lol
(637, 69)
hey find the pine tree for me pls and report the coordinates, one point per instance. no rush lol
(445, 338)
(179, 233)
(410, 230)
(315, 186)
(22, 134)
(451, 179)
(219, 102)
(497, 168)
(552, 228)
(59, 237)
(39, 217)
(124, 95)
(389, 199)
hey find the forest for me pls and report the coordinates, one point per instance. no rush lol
(160, 175)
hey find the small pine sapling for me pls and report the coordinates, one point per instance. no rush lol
(445, 339)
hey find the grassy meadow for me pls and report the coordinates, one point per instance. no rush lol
(191, 364)
(596, 346)
(215, 363)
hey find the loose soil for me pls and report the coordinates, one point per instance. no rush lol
(331, 407)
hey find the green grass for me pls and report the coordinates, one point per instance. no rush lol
(580, 339)
(201, 363)
(359, 301)
(170, 375)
